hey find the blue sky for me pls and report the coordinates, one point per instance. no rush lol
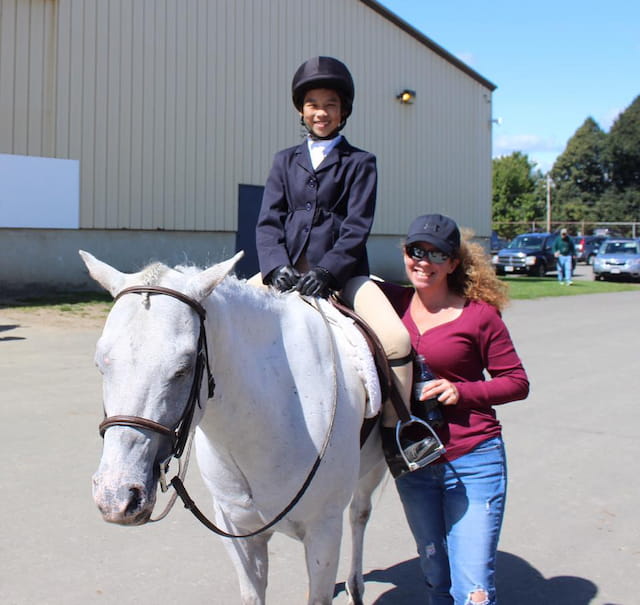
(555, 63)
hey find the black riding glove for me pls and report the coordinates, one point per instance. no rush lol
(315, 282)
(284, 278)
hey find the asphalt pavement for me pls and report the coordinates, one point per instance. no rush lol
(571, 534)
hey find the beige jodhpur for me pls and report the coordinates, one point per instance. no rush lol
(370, 303)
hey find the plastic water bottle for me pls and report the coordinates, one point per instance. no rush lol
(429, 410)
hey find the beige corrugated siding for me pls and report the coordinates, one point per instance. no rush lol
(171, 104)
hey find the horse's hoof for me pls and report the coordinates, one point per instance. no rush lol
(355, 594)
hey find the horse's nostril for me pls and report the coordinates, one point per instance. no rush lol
(135, 500)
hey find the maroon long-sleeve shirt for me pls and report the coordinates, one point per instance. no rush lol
(460, 351)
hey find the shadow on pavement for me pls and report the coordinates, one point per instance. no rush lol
(8, 328)
(405, 577)
(516, 580)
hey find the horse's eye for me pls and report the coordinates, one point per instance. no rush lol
(181, 373)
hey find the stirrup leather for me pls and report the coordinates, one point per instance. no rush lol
(429, 458)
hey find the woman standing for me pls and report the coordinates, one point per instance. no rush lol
(455, 505)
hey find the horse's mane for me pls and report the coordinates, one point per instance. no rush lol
(231, 287)
(236, 289)
(152, 274)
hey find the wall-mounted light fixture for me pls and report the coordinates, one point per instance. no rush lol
(406, 97)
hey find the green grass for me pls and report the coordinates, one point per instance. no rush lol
(524, 287)
(71, 302)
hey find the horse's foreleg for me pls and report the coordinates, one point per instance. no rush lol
(250, 558)
(322, 550)
(359, 513)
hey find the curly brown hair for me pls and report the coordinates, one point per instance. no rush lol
(474, 278)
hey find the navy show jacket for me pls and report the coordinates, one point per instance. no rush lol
(327, 213)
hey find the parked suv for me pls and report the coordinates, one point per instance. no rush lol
(587, 247)
(530, 253)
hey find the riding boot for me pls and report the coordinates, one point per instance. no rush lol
(420, 446)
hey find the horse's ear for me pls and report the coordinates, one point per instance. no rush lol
(201, 285)
(109, 278)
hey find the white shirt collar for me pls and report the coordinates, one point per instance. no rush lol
(320, 149)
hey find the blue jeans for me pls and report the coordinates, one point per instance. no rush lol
(455, 512)
(563, 265)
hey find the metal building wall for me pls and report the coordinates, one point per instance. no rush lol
(171, 104)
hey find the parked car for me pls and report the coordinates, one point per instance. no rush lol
(587, 247)
(529, 253)
(617, 258)
(608, 232)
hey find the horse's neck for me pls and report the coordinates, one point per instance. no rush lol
(243, 323)
(244, 328)
(240, 317)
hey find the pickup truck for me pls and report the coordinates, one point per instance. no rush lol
(529, 253)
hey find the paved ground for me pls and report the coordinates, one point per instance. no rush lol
(571, 534)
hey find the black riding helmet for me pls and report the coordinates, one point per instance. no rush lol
(324, 72)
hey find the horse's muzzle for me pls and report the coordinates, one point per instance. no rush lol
(126, 504)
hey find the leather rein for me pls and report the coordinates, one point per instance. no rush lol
(180, 434)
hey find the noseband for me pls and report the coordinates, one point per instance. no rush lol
(180, 433)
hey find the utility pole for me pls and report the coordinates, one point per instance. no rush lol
(549, 203)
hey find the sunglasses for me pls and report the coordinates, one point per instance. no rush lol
(417, 253)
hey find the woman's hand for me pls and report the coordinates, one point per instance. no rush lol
(441, 389)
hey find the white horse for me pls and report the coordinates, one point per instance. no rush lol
(289, 390)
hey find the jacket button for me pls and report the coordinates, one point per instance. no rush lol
(308, 206)
(311, 183)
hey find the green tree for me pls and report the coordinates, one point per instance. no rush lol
(621, 206)
(516, 192)
(579, 174)
(624, 148)
(596, 178)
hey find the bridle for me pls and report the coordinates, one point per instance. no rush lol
(178, 434)
(181, 433)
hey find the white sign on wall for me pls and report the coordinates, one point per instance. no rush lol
(39, 192)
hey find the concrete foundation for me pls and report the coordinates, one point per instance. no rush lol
(35, 261)
(39, 260)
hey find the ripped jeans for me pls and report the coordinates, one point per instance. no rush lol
(455, 512)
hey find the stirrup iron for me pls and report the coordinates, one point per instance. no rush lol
(429, 458)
